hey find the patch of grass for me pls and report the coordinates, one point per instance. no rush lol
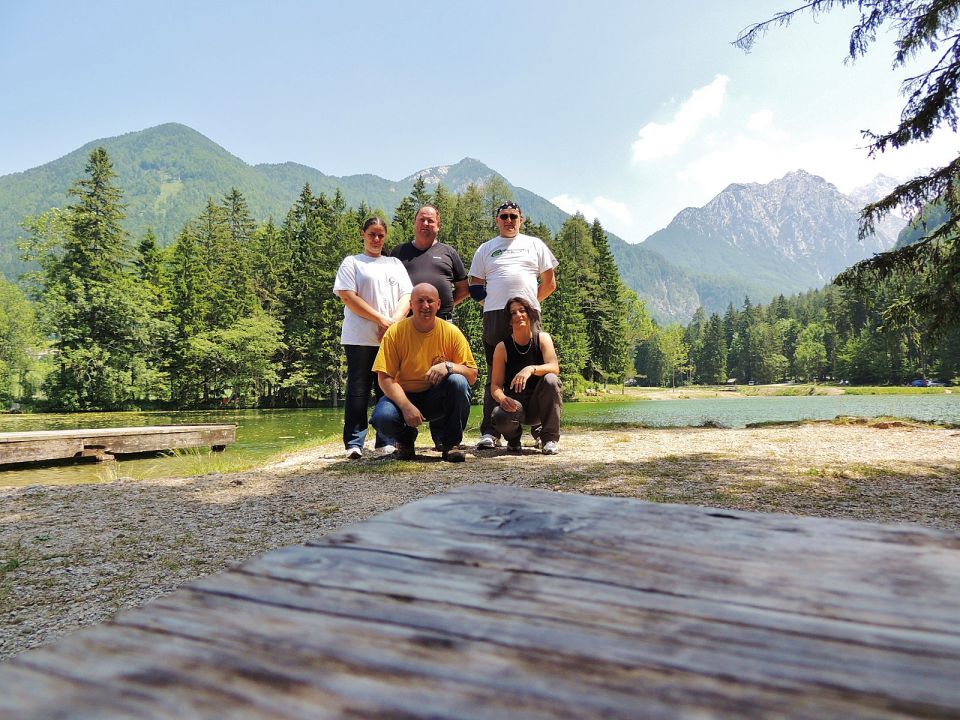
(782, 390)
(13, 558)
(369, 465)
(201, 461)
(660, 490)
(566, 480)
(894, 390)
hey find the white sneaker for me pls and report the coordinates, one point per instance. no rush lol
(488, 442)
(550, 448)
(354, 453)
(387, 450)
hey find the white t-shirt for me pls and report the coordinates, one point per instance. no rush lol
(511, 267)
(381, 281)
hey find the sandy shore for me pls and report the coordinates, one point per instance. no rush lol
(72, 556)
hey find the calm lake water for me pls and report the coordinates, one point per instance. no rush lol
(262, 434)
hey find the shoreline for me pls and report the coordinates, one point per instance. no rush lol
(75, 555)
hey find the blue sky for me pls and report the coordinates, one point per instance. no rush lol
(629, 110)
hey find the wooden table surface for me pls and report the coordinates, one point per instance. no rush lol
(499, 602)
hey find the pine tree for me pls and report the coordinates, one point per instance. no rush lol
(96, 310)
(607, 325)
(563, 315)
(711, 353)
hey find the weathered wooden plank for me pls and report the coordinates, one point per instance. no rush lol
(557, 617)
(539, 594)
(503, 603)
(287, 677)
(52, 449)
(360, 667)
(853, 571)
(44, 445)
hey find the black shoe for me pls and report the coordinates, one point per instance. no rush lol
(405, 452)
(514, 446)
(452, 454)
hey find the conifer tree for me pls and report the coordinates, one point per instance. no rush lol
(95, 309)
(710, 353)
(563, 314)
(606, 321)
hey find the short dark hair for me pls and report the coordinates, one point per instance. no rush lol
(374, 220)
(532, 312)
(425, 206)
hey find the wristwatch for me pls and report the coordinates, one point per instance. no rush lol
(449, 367)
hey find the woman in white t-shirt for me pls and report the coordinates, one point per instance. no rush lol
(375, 290)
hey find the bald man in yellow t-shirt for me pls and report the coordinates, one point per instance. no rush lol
(425, 369)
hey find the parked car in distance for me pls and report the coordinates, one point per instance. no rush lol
(919, 382)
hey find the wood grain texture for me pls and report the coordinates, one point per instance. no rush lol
(497, 602)
(43, 445)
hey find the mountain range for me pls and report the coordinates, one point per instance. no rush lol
(753, 240)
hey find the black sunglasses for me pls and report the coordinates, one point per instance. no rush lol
(508, 216)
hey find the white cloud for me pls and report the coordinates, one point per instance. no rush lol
(612, 214)
(762, 152)
(657, 141)
(760, 121)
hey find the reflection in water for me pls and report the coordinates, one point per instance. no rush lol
(262, 434)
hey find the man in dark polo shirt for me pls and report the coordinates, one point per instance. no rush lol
(430, 261)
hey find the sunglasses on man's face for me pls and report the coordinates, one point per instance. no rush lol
(508, 216)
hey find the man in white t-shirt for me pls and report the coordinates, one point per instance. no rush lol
(505, 267)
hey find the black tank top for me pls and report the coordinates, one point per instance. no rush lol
(517, 360)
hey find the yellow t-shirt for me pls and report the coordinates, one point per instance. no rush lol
(406, 353)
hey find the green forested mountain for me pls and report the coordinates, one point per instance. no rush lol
(932, 218)
(789, 236)
(167, 174)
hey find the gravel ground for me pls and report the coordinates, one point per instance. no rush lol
(73, 556)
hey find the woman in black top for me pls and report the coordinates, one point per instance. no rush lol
(525, 381)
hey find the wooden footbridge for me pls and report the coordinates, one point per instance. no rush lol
(103, 443)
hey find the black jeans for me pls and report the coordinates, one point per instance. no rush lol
(360, 379)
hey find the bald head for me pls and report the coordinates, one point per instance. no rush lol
(425, 302)
(425, 288)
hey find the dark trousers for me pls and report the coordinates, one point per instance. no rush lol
(360, 380)
(496, 329)
(445, 405)
(543, 408)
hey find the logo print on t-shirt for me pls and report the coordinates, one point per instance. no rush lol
(497, 253)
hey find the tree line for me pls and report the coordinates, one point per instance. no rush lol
(837, 333)
(241, 313)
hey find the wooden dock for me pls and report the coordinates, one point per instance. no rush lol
(498, 602)
(103, 443)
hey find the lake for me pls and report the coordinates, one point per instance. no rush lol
(264, 434)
